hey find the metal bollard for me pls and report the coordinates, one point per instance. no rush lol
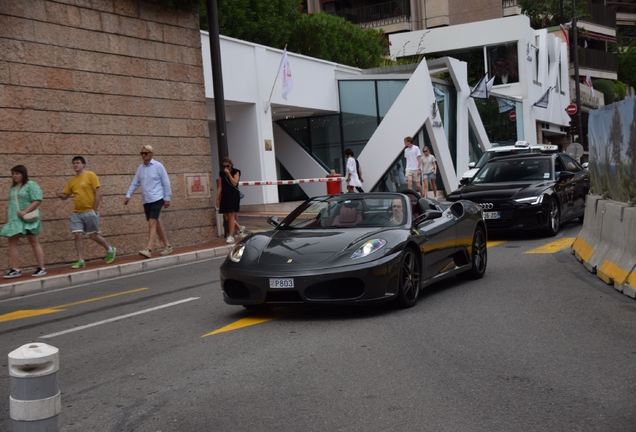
(35, 401)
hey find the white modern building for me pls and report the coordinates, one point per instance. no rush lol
(333, 107)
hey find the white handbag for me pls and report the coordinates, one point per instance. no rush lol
(31, 216)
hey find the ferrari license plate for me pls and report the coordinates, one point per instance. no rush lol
(281, 283)
(492, 215)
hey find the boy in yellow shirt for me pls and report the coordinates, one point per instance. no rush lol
(87, 197)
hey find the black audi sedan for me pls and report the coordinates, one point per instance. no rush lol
(528, 192)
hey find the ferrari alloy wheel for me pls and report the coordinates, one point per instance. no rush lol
(554, 217)
(478, 256)
(409, 279)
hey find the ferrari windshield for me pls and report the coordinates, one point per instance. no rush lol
(515, 170)
(349, 211)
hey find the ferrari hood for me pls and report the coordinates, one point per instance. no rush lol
(310, 246)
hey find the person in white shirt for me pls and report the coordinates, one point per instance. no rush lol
(155, 193)
(429, 171)
(353, 180)
(413, 158)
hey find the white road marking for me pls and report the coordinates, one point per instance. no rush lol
(48, 336)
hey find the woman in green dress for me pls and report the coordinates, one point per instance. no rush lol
(24, 196)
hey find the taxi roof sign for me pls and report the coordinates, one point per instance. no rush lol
(522, 144)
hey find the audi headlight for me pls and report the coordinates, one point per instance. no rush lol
(237, 252)
(368, 248)
(533, 200)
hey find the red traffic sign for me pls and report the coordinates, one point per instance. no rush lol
(512, 116)
(571, 109)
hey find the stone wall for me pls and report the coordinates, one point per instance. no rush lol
(101, 78)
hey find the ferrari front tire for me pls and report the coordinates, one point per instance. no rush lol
(478, 256)
(409, 279)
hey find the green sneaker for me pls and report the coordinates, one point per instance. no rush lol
(110, 255)
(79, 264)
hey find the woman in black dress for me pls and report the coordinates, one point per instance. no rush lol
(228, 199)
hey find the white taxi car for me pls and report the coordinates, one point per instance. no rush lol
(520, 147)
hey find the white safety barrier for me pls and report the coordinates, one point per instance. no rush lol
(290, 182)
(607, 243)
(35, 402)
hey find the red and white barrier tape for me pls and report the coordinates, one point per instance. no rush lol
(290, 182)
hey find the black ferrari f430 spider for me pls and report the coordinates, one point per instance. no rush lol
(356, 249)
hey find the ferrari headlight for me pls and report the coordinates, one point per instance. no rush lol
(368, 248)
(533, 200)
(237, 252)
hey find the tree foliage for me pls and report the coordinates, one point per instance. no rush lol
(626, 63)
(277, 23)
(333, 38)
(547, 13)
(265, 22)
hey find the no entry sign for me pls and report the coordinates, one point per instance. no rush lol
(571, 109)
(512, 116)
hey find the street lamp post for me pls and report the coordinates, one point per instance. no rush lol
(577, 84)
(217, 81)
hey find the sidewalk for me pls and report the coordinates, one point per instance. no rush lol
(96, 270)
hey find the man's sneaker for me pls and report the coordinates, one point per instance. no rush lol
(13, 273)
(110, 255)
(145, 253)
(39, 272)
(242, 230)
(79, 264)
(167, 250)
(230, 240)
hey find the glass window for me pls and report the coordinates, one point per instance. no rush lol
(503, 63)
(325, 141)
(388, 91)
(298, 129)
(359, 112)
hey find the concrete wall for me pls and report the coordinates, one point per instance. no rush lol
(100, 79)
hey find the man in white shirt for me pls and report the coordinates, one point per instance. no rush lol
(413, 164)
(155, 193)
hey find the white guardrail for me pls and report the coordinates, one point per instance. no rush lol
(290, 182)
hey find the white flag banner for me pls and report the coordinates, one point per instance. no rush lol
(482, 89)
(505, 105)
(588, 82)
(544, 100)
(284, 72)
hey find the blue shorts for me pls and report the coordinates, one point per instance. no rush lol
(430, 176)
(153, 209)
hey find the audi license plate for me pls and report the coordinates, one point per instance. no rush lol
(492, 215)
(281, 283)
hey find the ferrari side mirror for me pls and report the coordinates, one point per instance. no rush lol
(273, 221)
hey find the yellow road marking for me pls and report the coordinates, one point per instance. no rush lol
(252, 320)
(553, 247)
(28, 313)
(492, 243)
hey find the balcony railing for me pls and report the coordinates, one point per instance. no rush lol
(599, 60)
(389, 13)
(596, 14)
(599, 14)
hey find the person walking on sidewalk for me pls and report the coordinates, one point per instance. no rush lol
(155, 194)
(87, 196)
(353, 172)
(228, 196)
(25, 196)
(429, 172)
(413, 158)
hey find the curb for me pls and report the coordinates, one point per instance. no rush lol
(43, 284)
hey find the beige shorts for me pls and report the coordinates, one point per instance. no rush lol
(413, 175)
